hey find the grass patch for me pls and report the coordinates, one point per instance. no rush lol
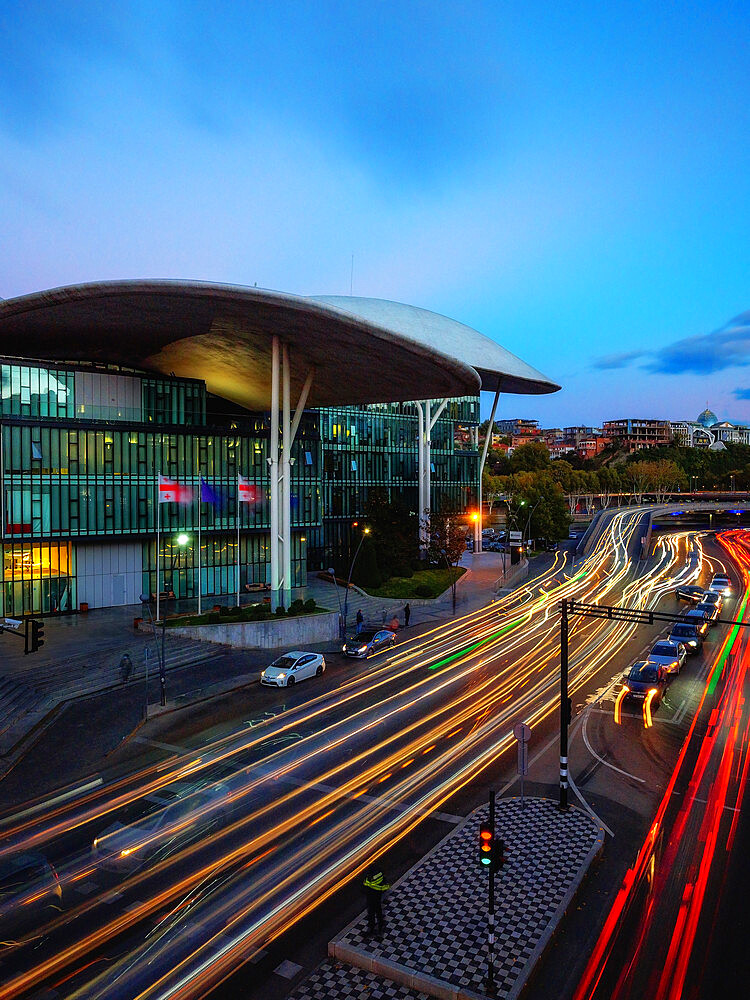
(425, 583)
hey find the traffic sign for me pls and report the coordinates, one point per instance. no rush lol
(515, 536)
(522, 732)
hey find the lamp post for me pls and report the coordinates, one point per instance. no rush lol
(145, 601)
(332, 571)
(182, 540)
(444, 554)
(528, 520)
(365, 531)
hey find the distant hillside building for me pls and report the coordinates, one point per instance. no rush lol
(634, 434)
(707, 431)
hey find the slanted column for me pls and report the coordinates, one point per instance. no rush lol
(420, 477)
(483, 459)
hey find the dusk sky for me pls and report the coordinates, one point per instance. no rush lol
(572, 179)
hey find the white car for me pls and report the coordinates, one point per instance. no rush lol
(720, 584)
(293, 667)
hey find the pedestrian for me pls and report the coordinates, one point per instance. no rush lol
(407, 615)
(394, 623)
(375, 885)
(360, 620)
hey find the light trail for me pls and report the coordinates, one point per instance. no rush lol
(413, 730)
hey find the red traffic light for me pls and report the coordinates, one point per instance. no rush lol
(486, 839)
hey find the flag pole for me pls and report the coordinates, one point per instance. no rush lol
(200, 508)
(238, 539)
(158, 545)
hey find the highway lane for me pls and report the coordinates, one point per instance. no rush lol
(660, 937)
(356, 768)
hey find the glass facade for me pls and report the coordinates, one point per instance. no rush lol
(374, 448)
(81, 447)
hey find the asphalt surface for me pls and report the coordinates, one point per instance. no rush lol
(365, 759)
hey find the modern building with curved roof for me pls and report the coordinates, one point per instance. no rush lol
(263, 351)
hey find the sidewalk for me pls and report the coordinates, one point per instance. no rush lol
(435, 939)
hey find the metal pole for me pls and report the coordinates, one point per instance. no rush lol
(273, 462)
(564, 706)
(349, 580)
(145, 703)
(332, 571)
(158, 543)
(420, 477)
(162, 667)
(491, 910)
(200, 508)
(237, 519)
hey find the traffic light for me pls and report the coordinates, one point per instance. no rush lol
(34, 635)
(486, 841)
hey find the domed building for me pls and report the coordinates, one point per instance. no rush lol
(707, 418)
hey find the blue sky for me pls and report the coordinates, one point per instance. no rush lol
(572, 179)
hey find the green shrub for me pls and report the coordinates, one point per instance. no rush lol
(404, 570)
(423, 590)
(310, 604)
(296, 607)
(280, 611)
(213, 618)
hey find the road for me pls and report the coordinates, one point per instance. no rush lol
(333, 774)
(669, 932)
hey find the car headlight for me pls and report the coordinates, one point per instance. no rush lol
(262, 673)
(343, 649)
(362, 649)
(128, 850)
(282, 676)
(692, 642)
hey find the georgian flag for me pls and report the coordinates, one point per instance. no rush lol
(170, 491)
(247, 491)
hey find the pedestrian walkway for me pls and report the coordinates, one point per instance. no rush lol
(435, 939)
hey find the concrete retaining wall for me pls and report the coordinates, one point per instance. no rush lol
(281, 633)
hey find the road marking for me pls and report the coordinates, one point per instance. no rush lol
(40, 806)
(587, 807)
(694, 798)
(602, 760)
(287, 969)
(161, 746)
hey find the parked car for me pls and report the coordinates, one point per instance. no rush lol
(369, 641)
(645, 676)
(688, 634)
(671, 655)
(292, 667)
(709, 611)
(689, 592)
(157, 826)
(30, 894)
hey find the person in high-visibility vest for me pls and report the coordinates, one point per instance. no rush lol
(375, 885)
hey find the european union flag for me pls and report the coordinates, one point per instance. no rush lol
(208, 495)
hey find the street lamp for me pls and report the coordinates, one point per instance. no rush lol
(528, 519)
(332, 571)
(145, 601)
(182, 540)
(365, 531)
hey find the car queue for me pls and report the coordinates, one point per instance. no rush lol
(646, 681)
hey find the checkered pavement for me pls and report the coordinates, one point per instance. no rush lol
(334, 981)
(436, 921)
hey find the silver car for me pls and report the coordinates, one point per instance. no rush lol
(671, 655)
(287, 670)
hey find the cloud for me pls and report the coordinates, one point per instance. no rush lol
(727, 347)
(617, 360)
(742, 393)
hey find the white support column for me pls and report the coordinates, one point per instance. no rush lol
(286, 476)
(420, 476)
(487, 439)
(430, 420)
(273, 480)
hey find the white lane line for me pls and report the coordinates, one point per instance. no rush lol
(694, 798)
(40, 806)
(602, 760)
(588, 808)
(161, 746)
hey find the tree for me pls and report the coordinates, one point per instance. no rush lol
(394, 532)
(447, 537)
(492, 490)
(530, 457)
